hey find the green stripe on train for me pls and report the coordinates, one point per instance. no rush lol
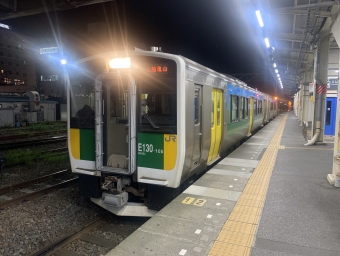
(87, 145)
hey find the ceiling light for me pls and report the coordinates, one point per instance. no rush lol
(266, 40)
(274, 65)
(278, 75)
(259, 18)
(276, 71)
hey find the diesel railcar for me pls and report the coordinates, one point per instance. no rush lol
(152, 122)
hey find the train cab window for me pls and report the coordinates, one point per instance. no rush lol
(234, 108)
(82, 106)
(241, 108)
(160, 108)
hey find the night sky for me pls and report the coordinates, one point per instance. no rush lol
(220, 34)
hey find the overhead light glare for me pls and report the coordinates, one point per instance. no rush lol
(274, 65)
(276, 71)
(259, 18)
(266, 40)
(120, 63)
(63, 61)
(278, 75)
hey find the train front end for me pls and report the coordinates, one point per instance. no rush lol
(124, 132)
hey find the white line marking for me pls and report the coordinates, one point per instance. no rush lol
(218, 204)
(182, 252)
(198, 231)
(209, 216)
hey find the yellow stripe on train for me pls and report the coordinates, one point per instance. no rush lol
(75, 142)
(170, 151)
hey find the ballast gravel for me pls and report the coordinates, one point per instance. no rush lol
(28, 227)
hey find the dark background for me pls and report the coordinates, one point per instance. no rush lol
(220, 34)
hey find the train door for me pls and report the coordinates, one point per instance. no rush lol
(330, 116)
(216, 123)
(251, 115)
(198, 126)
(115, 138)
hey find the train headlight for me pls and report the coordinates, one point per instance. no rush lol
(120, 63)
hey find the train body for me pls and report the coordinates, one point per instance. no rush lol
(151, 123)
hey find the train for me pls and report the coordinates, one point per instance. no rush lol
(147, 124)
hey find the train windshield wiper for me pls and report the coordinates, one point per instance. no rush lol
(147, 117)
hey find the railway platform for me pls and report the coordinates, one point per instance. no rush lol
(268, 197)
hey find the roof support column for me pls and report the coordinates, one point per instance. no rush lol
(305, 103)
(320, 78)
(300, 104)
(334, 178)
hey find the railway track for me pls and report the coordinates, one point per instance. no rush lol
(30, 135)
(27, 194)
(30, 143)
(53, 152)
(90, 234)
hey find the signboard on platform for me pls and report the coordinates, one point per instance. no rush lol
(332, 83)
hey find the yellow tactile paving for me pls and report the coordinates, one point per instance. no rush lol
(234, 226)
(237, 235)
(221, 248)
(247, 210)
(247, 218)
(252, 197)
(251, 203)
(255, 189)
(236, 238)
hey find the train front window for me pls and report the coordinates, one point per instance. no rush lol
(156, 85)
(82, 106)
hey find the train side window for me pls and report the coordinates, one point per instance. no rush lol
(234, 108)
(218, 109)
(241, 107)
(260, 107)
(212, 108)
(255, 107)
(246, 108)
(196, 106)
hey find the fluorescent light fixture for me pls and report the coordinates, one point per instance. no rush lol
(276, 71)
(337, 71)
(63, 61)
(120, 63)
(259, 18)
(266, 40)
(274, 65)
(278, 75)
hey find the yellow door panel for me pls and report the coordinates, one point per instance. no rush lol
(213, 124)
(216, 123)
(218, 132)
(251, 115)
